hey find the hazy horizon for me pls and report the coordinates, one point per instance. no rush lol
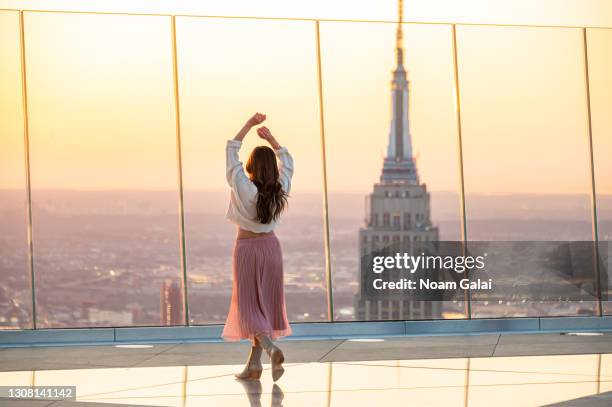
(103, 145)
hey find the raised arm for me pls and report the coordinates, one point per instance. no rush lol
(256, 119)
(285, 160)
(236, 178)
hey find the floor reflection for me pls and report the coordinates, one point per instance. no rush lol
(253, 389)
(510, 381)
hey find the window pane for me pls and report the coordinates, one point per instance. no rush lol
(15, 295)
(230, 69)
(104, 172)
(369, 214)
(600, 66)
(526, 161)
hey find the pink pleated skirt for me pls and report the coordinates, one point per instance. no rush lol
(258, 295)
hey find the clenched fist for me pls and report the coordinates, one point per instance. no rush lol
(256, 119)
(264, 133)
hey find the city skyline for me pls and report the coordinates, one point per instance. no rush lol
(105, 176)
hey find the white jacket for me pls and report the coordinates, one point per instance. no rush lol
(243, 197)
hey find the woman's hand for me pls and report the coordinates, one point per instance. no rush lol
(256, 119)
(265, 134)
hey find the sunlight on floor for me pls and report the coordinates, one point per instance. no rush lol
(532, 380)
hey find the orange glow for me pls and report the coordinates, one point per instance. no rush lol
(511, 381)
(101, 103)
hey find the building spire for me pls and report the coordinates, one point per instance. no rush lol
(399, 164)
(399, 47)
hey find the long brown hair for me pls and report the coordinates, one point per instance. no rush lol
(263, 172)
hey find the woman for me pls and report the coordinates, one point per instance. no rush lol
(257, 311)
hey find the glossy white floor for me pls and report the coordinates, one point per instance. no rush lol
(445, 370)
(503, 381)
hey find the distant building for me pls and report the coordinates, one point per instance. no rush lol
(12, 313)
(105, 317)
(171, 303)
(397, 211)
(138, 315)
(86, 305)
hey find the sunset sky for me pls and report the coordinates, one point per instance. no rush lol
(102, 108)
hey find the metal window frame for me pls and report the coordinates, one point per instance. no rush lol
(327, 244)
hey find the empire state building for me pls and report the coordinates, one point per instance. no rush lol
(397, 211)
